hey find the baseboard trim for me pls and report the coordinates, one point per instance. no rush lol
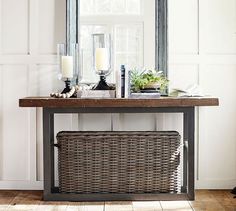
(21, 185)
(38, 185)
(215, 184)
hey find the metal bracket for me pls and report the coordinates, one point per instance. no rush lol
(56, 145)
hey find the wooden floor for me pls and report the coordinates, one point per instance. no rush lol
(32, 200)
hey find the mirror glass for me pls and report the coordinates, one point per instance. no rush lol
(131, 24)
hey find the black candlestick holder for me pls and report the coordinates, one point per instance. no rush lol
(67, 86)
(102, 84)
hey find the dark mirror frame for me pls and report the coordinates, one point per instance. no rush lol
(161, 28)
(162, 36)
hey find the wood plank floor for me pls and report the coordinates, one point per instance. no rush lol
(32, 200)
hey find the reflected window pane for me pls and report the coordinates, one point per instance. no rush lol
(127, 37)
(121, 39)
(110, 7)
(118, 6)
(135, 38)
(133, 7)
(86, 44)
(129, 46)
(87, 7)
(120, 59)
(127, 42)
(133, 61)
(103, 7)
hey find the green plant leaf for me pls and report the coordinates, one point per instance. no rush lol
(141, 78)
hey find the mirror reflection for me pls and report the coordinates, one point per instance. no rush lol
(131, 24)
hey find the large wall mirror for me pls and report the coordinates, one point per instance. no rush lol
(138, 29)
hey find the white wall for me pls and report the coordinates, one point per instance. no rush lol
(202, 50)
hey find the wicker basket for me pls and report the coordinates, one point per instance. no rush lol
(119, 162)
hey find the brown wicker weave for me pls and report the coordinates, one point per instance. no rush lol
(119, 162)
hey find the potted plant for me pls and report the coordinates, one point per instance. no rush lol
(148, 80)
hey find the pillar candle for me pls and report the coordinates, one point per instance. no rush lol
(102, 59)
(67, 66)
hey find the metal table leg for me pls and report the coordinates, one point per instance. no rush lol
(188, 165)
(48, 152)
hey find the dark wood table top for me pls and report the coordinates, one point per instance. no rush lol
(47, 102)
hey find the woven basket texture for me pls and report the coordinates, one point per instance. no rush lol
(119, 162)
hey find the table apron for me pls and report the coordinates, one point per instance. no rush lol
(120, 110)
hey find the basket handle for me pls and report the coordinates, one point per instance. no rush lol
(56, 145)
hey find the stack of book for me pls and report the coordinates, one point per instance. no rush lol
(155, 95)
(123, 87)
(94, 94)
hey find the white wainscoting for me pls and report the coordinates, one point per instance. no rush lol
(202, 51)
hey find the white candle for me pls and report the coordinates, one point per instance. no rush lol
(102, 59)
(67, 66)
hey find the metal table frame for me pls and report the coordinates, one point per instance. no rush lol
(52, 193)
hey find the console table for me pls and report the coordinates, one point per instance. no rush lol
(53, 106)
